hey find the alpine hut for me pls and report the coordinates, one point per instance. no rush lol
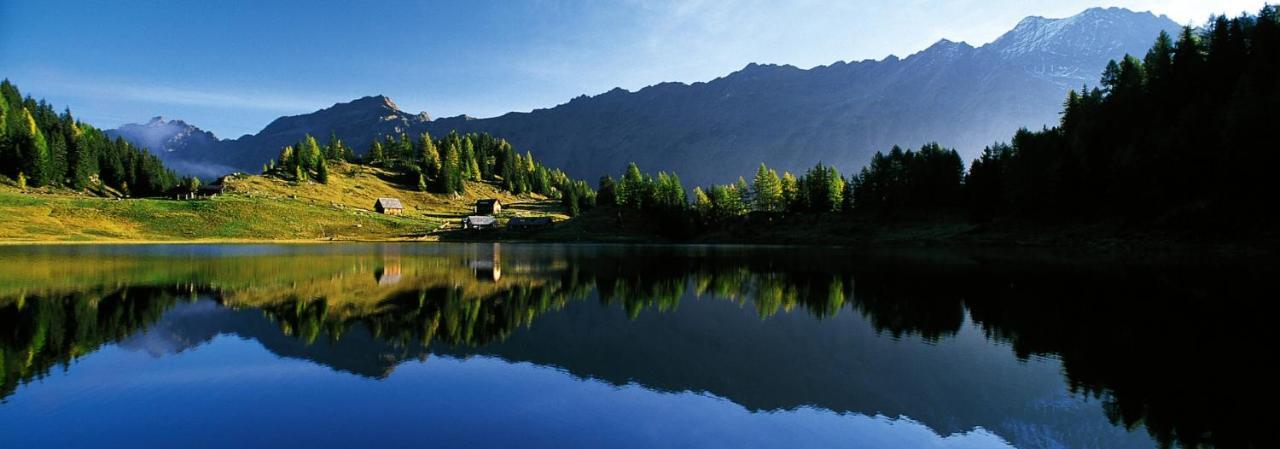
(489, 206)
(388, 206)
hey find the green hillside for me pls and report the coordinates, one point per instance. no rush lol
(253, 208)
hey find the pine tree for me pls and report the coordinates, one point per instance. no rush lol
(607, 189)
(1159, 61)
(22, 181)
(430, 155)
(569, 198)
(631, 189)
(4, 126)
(333, 150)
(450, 179)
(58, 166)
(404, 149)
(33, 150)
(309, 153)
(84, 163)
(701, 202)
(287, 157)
(768, 190)
(375, 152)
(422, 183)
(744, 193)
(322, 173)
(790, 191)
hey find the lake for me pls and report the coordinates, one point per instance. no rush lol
(529, 345)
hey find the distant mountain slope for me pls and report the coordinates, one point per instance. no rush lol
(951, 92)
(192, 151)
(357, 122)
(178, 144)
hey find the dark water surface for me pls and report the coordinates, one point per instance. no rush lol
(485, 345)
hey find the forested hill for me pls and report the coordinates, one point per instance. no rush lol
(39, 147)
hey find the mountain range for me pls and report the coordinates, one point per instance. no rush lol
(953, 93)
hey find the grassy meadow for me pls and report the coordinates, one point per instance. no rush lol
(252, 208)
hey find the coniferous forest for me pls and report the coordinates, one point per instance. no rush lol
(438, 165)
(39, 147)
(1176, 138)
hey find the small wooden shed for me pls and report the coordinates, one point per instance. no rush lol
(480, 222)
(389, 206)
(489, 206)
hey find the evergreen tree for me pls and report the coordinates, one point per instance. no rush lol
(790, 191)
(607, 189)
(630, 193)
(450, 179)
(744, 194)
(287, 158)
(322, 173)
(474, 169)
(569, 198)
(768, 190)
(309, 154)
(83, 162)
(375, 152)
(58, 164)
(1159, 61)
(32, 149)
(404, 148)
(702, 203)
(429, 154)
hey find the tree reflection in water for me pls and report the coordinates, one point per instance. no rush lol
(1174, 349)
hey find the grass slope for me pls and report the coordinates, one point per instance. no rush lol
(253, 208)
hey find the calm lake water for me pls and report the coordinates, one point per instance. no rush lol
(488, 345)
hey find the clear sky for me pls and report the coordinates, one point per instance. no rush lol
(232, 66)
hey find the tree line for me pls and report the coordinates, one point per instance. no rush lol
(442, 165)
(1178, 137)
(40, 147)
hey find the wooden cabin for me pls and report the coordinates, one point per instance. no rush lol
(388, 206)
(488, 206)
(479, 222)
(528, 223)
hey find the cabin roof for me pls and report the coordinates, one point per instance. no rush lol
(487, 202)
(481, 220)
(389, 203)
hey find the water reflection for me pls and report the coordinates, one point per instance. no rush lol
(1170, 350)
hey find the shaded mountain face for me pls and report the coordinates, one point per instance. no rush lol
(183, 147)
(952, 93)
(357, 123)
(790, 118)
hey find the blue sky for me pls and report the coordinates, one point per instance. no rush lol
(231, 67)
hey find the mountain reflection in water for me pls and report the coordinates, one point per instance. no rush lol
(1102, 354)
